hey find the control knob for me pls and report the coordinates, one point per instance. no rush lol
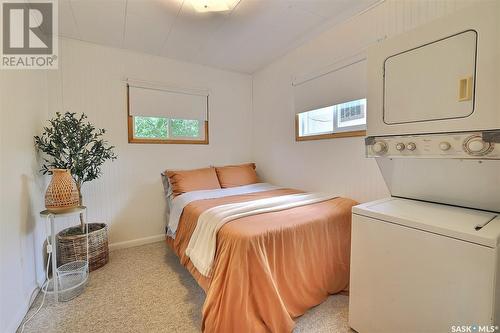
(444, 146)
(411, 146)
(400, 146)
(474, 145)
(379, 147)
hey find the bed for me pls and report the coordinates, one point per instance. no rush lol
(268, 267)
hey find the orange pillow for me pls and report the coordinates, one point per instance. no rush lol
(237, 175)
(183, 181)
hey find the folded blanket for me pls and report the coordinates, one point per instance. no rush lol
(202, 244)
(181, 201)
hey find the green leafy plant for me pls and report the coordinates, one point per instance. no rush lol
(71, 142)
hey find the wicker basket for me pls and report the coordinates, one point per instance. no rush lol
(62, 192)
(74, 247)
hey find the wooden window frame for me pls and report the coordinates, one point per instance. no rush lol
(346, 134)
(132, 139)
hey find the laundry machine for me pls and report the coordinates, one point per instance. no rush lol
(427, 258)
(423, 267)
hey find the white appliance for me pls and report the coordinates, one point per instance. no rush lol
(423, 267)
(441, 77)
(427, 259)
(434, 93)
(453, 168)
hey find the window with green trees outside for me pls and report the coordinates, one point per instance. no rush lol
(167, 129)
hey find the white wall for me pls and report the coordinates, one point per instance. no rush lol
(336, 165)
(23, 105)
(129, 194)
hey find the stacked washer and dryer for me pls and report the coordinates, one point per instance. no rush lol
(427, 258)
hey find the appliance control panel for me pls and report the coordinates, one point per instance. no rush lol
(465, 145)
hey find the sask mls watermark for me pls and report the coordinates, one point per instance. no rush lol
(474, 329)
(29, 34)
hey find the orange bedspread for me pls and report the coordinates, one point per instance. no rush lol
(272, 267)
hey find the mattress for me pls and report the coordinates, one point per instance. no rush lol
(270, 268)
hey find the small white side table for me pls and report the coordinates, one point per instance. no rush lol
(57, 285)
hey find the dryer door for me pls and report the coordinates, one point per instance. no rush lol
(441, 77)
(431, 82)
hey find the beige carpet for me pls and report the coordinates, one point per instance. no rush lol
(145, 289)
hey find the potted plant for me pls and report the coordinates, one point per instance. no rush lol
(71, 142)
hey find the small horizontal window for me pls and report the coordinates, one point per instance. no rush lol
(340, 120)
(157, 115)
(166, 130)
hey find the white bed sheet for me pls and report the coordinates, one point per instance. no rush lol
(178, 203)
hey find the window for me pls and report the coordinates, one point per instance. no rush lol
(150, 128)
(165, 128)
(340, 120)
(157, 115)
(331, 104)
(316, 122)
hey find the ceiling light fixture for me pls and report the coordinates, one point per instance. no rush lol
(204, 6)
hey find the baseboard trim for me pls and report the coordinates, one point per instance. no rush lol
(136, 242)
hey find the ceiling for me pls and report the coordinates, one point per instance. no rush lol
(245, 39)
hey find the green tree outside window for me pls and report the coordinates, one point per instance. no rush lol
(151, 127)
(157, 128)
(185, 128)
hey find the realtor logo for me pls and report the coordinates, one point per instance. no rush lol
(29, 34)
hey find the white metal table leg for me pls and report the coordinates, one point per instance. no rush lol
(55, 279)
